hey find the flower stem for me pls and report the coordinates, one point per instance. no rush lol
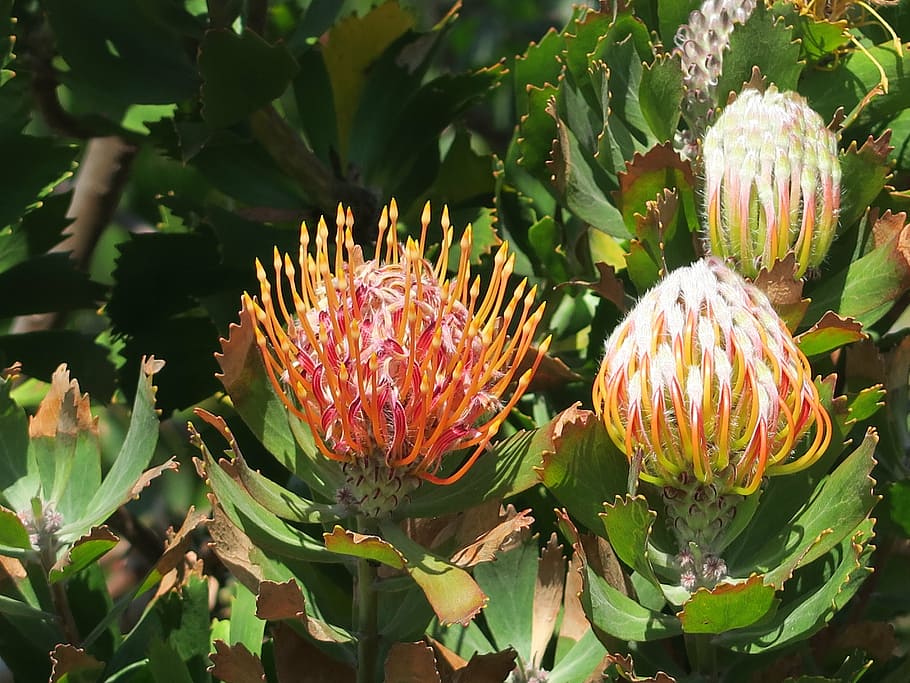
(366, 613)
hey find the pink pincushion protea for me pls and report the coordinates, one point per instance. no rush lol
(390, 363)
(705, 384)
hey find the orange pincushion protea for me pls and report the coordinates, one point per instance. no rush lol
(390, 362)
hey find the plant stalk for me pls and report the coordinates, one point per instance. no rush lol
(702, 656)
(366, 607)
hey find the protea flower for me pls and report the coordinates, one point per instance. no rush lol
(701, 44)
(705, 391)
(772, 182)
(392, 364)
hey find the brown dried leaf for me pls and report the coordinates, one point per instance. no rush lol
(626, 669)
(11, 568)
(548, 597)
(68, 659)
(489, 668)
(659, 159)
(177, 541)
(829, 333)
(887, 227)
(297, 660)
(234, 548)
(574, 622)
(784, 290)
(150, 474)
(447, 661)
(488, 545)
(551, 371)
(607, 286)
(64, 409)
(279, 601)
(235, 664)
(411, 663)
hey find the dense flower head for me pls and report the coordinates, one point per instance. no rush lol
(703, 383)
(392, 363)
(772, 182)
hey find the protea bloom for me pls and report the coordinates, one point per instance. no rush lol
(705, 391)
(392, 364)
(772, 182)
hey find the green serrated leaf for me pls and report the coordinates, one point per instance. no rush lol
(265, 529)
(660, 96)
(504, 471)
(799, 619)
(766, 43)
(364, 546)
(838, 505)
(453, 594)
(132, 459)
(509, 583)
(583, 468)
(240, 74)
(727, 607)
(613, 613)
(628, 524)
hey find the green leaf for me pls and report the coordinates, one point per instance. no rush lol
(132, 459)
(763, 42)
(245, 627)
(838, 505)
(277, 499)
(854, 77)
(504, 471)
(49, 163)
(86, 551)
(315, 104)
(265, 529)
(363, 546)
(509, 582)
(865, 170)
(538, 66)
(660, 96)
(240, 74)
(14, 541)
(580, 661)
(18, 477)
(818, 602)
(829, 333)
(621, 617)
(351, 47)
(818, 39)
(867, 289)
(628, 524)
(42, 352)
(121, 52)
(727, 606)
(583, 468)
(536, 133)
(453, 594)
(671, 15)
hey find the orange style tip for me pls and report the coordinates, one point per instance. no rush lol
(339, 214)
(444, 220)
(425, 214)
(545, 346)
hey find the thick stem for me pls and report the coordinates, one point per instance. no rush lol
(366, 607)
(58, 593)
(702, 656)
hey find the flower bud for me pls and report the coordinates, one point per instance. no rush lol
(772, 182)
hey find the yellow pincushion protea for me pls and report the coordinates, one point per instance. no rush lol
(392, 363)
(703, 382)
